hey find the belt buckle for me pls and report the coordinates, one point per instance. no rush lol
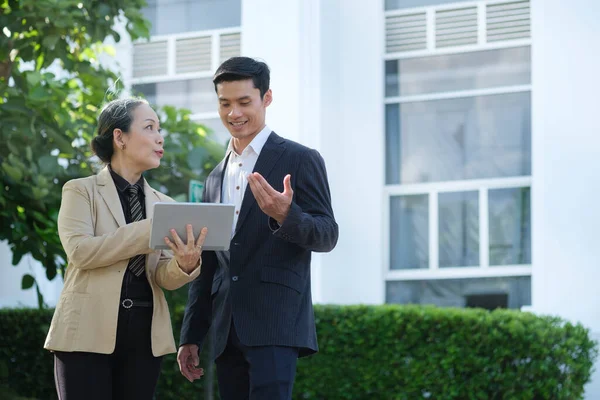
(127, 303)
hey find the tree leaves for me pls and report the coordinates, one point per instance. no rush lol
(48, 120)
(197, 157)
(27, 281)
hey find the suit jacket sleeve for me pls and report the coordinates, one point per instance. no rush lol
(76, 231)
(310, 222)
(198, 310)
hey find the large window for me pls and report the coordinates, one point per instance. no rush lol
(190, 38)
(458, 153)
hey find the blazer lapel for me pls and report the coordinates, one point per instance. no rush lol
(151, 197)
(108, 191)
(270, 153)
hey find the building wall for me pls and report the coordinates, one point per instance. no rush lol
(566, 146)
(11, 294)
(353, 142)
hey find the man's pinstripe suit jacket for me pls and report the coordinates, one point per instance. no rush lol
(263, 282)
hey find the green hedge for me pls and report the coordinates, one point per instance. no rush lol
(374, 352)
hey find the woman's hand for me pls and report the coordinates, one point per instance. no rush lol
(188, 255)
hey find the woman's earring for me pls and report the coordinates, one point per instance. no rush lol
(123, 147)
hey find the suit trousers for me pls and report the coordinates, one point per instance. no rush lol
(255, 372)
(129, 373)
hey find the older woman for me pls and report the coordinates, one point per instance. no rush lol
(112, 326)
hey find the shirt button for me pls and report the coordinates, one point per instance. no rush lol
(237, 187)
(234, 278)
(237, 212)
(240, 164)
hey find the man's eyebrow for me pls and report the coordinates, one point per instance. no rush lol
(241, 98)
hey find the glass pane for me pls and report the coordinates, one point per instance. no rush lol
(147, 91)
(510, 226)
(392, 139)
(458, 229)
(180, 16)
(398, 4)
(464, 138)
(452, 72)
(514, 292)
(409, 232)
(197, 95)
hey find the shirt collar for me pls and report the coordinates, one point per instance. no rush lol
(122, 184)
(256, 144)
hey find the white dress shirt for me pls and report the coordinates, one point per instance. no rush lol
(237, 169)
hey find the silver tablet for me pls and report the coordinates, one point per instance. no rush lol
(218, 218)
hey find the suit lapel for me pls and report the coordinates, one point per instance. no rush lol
(151, 197)
(108, 191)
(216, 183)
(270, 153)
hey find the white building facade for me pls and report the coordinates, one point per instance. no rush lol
(458, 136)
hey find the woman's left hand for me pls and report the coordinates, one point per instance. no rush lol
(188, 255)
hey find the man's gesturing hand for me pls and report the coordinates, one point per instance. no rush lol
(273, 203)
(187, 358)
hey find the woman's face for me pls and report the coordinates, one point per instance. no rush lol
(143, 144)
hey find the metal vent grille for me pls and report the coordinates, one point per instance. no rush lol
(405, 32)
(456, 27)
(230, 46)
(193, 55)
(149, 59)
(508, 21)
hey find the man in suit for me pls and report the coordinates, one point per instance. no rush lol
(257, 295)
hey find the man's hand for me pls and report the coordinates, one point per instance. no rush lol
(187, 358)
(273, 203)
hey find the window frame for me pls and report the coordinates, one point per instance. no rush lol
(433, 189)
(171, 75)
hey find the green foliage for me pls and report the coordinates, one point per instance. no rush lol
(375, 352)
(51, 88)
(22, 356)
(410, 352)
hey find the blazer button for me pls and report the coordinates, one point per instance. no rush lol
(234, 278)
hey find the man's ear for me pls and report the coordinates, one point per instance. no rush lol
(268, 98)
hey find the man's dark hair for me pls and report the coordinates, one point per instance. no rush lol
(118, 114)
(242, 68)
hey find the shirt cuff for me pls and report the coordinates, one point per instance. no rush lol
(273, 225)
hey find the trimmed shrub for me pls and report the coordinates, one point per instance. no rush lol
(416, 352)
(371, 352)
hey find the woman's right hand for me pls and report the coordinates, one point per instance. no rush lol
(188, 255)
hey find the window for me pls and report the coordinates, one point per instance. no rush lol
(197, 95)
(500, 292)
(458, 154)
(180, 16)
(176, 68)
(473, 137)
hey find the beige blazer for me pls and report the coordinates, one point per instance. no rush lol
(99, 244)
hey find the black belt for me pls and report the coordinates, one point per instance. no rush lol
(128, 303)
